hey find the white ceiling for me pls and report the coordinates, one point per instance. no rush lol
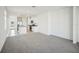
(29, 10)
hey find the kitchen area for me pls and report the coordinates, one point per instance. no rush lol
(18, 25)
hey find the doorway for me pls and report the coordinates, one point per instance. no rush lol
(22, 25)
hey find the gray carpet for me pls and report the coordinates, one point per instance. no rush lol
(38, 43)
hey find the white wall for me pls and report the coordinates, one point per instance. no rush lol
(62, 22)
(77, 11)
(57, 22)
(43, 23)
(14, 19)
(2, 27)
(78, 24)
(75, 25)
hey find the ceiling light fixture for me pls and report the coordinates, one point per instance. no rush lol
(33, 6)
